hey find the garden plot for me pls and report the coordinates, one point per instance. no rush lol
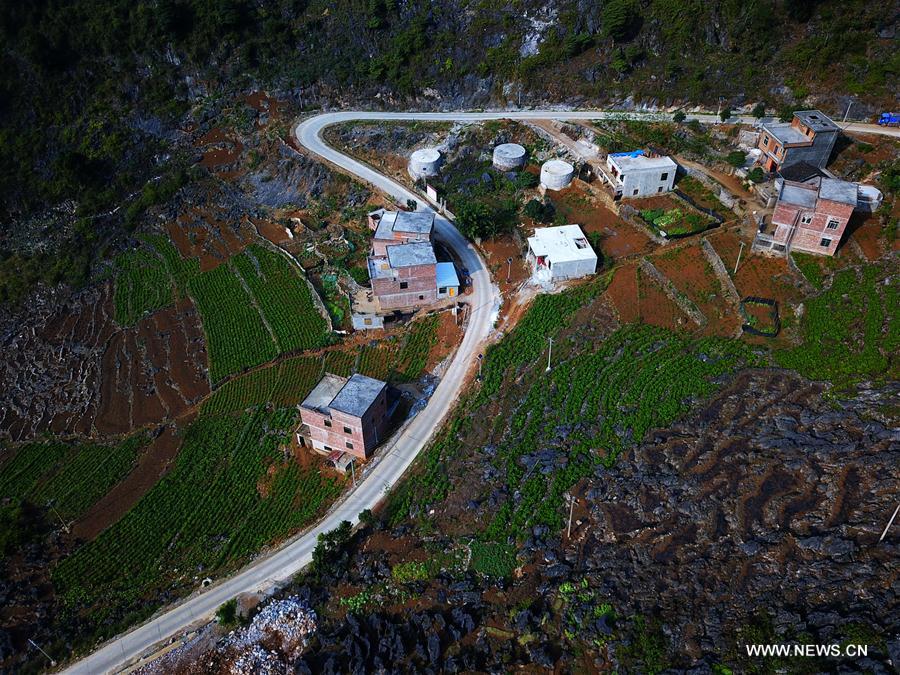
(691, 274)
(617, 238)
(639, 299)
(758, 275)
(671, 217)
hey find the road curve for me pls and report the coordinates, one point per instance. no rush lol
(281, 565)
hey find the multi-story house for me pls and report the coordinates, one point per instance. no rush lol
(399, 227)
(405, 276)
(809, 137)
(345, 414)
(810, 217)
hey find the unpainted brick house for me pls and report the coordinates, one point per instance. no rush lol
(345, 414)
(809, 137)
(810, 217)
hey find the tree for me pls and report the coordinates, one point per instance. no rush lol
(679, 117)
(621, 20)
(540, 211)
(756, 175)
(759, 110)
(474, 219)
(725, 114)
(736, 158)
(785, 113)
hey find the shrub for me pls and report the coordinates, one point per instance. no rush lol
(756, 175)
(541, 211)
(526, 180)
(725, 115)
(759, 110)
(621, 19)
(679, 117)
(226, 615)
(736, 158)
(493, 559)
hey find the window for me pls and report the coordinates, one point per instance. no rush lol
(442, 290)
(766, 139)
(327, 449)
(349, 445)
(825, 243)
(780, 248)
(367, 321)
(635, 192)
(421, 297)
(328, 423)
(665, 176)
(806, 218)
(348, 430)
(833, 223)
(659, 189)
(404, 284)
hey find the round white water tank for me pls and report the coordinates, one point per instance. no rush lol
(556, 174)
(425, 162)
(509, 156)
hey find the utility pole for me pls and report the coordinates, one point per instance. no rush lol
(549, 352)
(62, 522)
(572, 501)
(508, 269)
(353, 470)
(739, 259)
(36, 646)
(890, 522)
(480, 360)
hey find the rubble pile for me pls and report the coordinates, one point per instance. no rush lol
(258, 661)
(285, 625)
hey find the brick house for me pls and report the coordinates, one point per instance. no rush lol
(809, 137)
(345, 414)
(810, 216)
(399, 227)
(405, 276)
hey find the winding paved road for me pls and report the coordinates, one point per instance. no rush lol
(265, 573)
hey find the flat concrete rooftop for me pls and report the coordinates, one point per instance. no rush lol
(410, 255)
(353, 395)
(357, 395)
(408, 222)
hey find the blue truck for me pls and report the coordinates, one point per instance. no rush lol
(889, 120)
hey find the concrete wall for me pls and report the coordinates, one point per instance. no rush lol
(379, 246)
(572, 269)
(648, 182)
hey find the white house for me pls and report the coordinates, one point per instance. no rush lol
(559, 253)
(640, 174)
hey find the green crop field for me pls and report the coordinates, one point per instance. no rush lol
(148, 278)
(68, 477)
(850, 332)
(401, 359)
(230, 492)
(245, 329)
(284, 298)
(235, 334)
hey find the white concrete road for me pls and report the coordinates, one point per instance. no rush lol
(268, 571)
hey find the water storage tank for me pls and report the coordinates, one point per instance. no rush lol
(556, 174)
(868, 198)
(424, 163)
(509, 157)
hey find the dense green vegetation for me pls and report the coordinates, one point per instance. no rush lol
(229, 493)
(249, 323)
(69, 477)
(850, 332)
(675, 221)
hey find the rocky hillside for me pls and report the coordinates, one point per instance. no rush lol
(94, 95)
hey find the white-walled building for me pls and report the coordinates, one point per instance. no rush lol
(639, 174)
(560, 253)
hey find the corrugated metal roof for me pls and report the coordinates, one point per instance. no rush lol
(446, 275)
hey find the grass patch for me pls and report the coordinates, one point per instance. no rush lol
(493, 559)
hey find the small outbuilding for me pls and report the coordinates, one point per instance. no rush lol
(447, 280)
(560, 253)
